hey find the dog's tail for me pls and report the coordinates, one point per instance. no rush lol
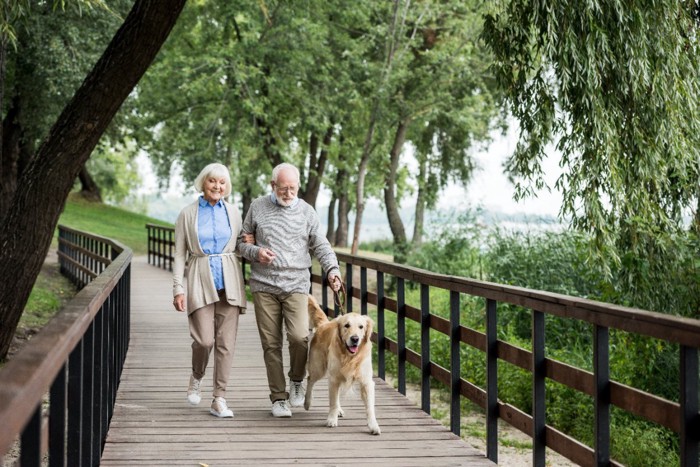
(316, 314)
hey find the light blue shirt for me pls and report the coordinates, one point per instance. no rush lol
(214, 232)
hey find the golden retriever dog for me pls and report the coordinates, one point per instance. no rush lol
(342, 350)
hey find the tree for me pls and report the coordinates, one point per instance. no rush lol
(444, 103)
(256, 86)
(616, 89)
(48, 48)
(28, 227)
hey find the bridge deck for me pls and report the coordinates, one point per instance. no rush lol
(154, 425)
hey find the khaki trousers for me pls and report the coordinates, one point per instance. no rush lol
(271, 311)
(214, 326)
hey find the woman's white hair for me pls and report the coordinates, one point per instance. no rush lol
(213, 170)
(285, 166)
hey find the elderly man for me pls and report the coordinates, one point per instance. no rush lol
(286, 231)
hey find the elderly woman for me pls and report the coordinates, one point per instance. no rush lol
(205, 238)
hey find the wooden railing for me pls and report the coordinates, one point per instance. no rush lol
(76, 359)
(161, 246)
(681, 417)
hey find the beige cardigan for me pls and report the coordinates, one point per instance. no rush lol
(201, 290)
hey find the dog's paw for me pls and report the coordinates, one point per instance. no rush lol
(341, 413)
(332, 422)
(307, 404)
(374, 428)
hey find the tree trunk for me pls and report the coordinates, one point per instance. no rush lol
(392, 207)
(360, 188)
(88, 188)
(417, 238)
(330, 231)
(3, 58)
(27, 230)
(317, 166)
(341, 234)
(11, 167)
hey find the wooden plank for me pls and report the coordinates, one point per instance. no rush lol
(153, 424)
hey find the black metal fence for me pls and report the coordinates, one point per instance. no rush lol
(161, 245)
(76, 359)
(681, 417)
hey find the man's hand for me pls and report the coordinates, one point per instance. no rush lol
(179, 302)
(334, 281)
(249, 238)
(266, 256)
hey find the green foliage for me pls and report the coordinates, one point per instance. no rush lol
(641, 443)
(615, 88)
(378, 246)
(454, 246)
(101, 219)
(114, 169)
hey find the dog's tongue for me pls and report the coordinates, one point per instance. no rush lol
(352, 348)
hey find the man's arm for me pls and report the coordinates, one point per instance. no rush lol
(323, 251)
(250, 251)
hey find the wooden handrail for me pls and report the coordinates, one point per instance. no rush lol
(43, 364)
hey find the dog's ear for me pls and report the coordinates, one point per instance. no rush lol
(369, 326)
(339, 323)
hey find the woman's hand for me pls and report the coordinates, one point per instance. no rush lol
(249, 238)
(179, 302)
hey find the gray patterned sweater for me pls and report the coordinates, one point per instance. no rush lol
(293, 234)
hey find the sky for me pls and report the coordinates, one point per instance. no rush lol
(488, 189)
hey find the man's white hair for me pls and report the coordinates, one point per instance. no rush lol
(285, 166)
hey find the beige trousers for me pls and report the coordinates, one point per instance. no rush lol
(214, 327)
(271, 311)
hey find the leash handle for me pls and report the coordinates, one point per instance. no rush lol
(338, 299)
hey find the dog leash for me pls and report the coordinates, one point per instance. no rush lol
(339, 299)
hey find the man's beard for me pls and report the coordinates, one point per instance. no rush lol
(282, 202)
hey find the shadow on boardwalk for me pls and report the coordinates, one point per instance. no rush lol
(154, 425)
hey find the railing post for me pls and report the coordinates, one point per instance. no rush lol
(98, 389)
(425, 347)
(30, 454)
(75, 395)
(363, 290)
(455, 338)
(57, 420)
(538, 390)
(171, 240)
(601, 371)
(401, 332)
(690, 421)
(348, 287)
(88, 394)
(149, 246)
(491, 381)
(324, 295)
(381, 357)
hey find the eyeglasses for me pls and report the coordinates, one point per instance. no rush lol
(285, 189)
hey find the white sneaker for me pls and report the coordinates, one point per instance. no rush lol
(281, 409)
(220, 409)
(297, 393)
(194, 395)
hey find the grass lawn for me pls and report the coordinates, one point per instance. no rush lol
(126, 227)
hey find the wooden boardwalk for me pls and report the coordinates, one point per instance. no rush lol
(154, 425)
